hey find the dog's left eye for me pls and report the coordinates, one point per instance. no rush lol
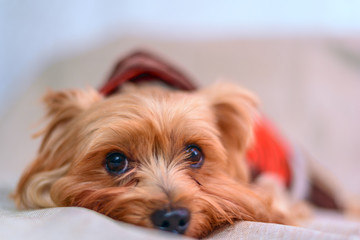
(195, 156)
(116, 163)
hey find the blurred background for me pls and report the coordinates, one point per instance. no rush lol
(302, 58)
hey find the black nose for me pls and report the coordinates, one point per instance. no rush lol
(175, 220)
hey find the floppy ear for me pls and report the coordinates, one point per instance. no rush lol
(235, 109)
(52, 160)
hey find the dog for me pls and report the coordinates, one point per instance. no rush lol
(172, 157)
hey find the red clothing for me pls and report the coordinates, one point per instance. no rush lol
(269, 153)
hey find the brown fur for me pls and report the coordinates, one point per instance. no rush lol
(152, 126)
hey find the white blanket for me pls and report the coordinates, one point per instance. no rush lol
(75, 223)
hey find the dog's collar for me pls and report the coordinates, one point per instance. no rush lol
(141, 66)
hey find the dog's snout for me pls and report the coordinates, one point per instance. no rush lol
(175, 220)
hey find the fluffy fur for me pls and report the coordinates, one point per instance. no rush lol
(152, 126)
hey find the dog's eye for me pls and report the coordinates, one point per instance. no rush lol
(116, 163)
(195, 156)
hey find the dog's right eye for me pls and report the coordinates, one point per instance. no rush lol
(195, 156)
(116, 163)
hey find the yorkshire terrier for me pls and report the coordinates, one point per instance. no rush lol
(167, 157)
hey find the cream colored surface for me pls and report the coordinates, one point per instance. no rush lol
(310, 87)
(78, 223)
(325, 230)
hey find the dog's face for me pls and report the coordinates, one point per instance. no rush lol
(149, 156)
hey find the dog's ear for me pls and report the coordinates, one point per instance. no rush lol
(235, 110)
(52, 160)
(63, 106)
